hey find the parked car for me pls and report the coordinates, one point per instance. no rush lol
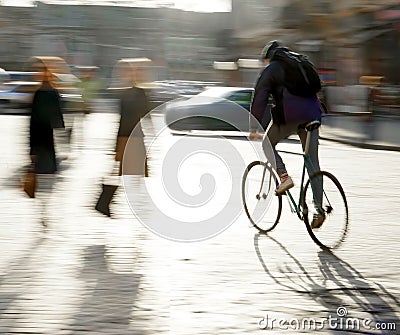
(3, 76)
(216, 108)
(18, 89)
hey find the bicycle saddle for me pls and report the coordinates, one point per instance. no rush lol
(312, 125)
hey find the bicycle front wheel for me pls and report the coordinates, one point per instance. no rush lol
(262, 206)
(334, 207)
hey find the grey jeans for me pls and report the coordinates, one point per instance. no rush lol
(276, 133)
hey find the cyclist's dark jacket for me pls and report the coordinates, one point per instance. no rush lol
(288, 107)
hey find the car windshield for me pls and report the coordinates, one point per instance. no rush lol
(217, 92)
(238, 96)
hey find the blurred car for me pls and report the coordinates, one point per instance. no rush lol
(162, 92)
(18, 92)
(167, 90)
(216, 108)
(18, 89)
(3, 76)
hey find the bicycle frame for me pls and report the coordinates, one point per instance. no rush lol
(313, 202)
(307, 164)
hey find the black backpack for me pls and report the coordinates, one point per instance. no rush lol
(301, 77)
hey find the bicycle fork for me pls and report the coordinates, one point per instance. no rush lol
(264, 195)
(318, 200)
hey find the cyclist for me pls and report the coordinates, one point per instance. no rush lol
(290, 114)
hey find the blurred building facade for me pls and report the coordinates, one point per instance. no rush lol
(181, 44)
(349, 38)
(97, 35)
(16, 30)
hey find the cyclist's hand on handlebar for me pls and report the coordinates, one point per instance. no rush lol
(253, 136)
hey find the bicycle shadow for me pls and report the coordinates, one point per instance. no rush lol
(338, 284)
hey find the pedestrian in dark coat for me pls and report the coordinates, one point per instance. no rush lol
(45, 116)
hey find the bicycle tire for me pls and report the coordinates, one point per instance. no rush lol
(260, 214)
(334, 204)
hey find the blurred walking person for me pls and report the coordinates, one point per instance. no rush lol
(46, 115)
(133, 107)
(130, 151)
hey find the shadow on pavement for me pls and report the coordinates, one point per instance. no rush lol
(108, 302)
(13, 284)
(337, 284)
(226, 135)
(210, 134)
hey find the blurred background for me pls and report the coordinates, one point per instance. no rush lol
(192, 45)
(91, 274)
(352, 43)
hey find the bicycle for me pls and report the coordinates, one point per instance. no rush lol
(260, 181)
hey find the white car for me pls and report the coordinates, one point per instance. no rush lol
(17, 94)
(216, 108)
(3, 76)
(18, 89)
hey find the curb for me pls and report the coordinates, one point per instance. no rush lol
(363, 145)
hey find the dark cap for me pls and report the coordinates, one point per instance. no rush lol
(268, 50)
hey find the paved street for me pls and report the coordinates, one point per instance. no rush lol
(89, 274)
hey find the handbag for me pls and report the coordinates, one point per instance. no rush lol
(30, 183)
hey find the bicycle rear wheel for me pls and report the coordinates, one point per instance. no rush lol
(262, 206)
(334, 206)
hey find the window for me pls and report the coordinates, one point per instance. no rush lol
(241, 97)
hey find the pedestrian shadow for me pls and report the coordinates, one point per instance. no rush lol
(336, 285)
(109, 298)
(14, 282)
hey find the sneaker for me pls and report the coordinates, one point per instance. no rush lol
(318, 220)
(284, 186)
